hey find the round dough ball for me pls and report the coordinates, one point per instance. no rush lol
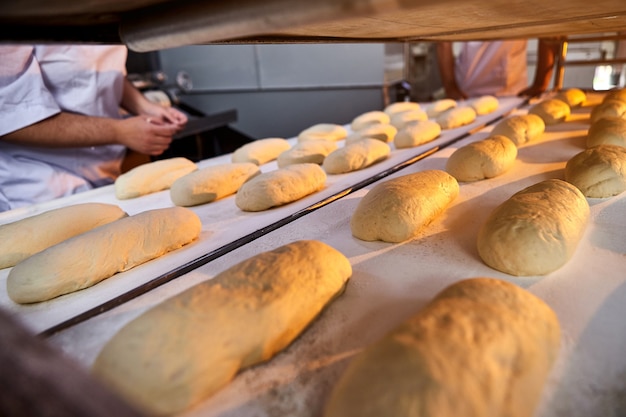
(617, 94)
(598, 172)
(417, 133)
(608, 109)
(456, 117)
(484, 104)
(520, 128)
(310, 151)
(323, 131)
(380, 131)
(260, 151)
(355, 156)
(401, 107)
(572, 96)
(486, 158)
(435, 108)
(607, 132)
(400, 120)
(368, 118)
(552, 111)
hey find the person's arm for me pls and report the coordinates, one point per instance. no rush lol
(547, 50)
(445, 58)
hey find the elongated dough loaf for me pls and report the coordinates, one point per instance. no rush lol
(598, 172)
(401, 120)
(483, 159)
(552, 111)
(211, 183)
(88, 258)
(323, 131)
(616, 94)
(572, 96)
(437, 107)
(355, 156)
(401, 106)
(456, 117)
(380, 131)
(260, 151)
(283, 186)
(152, 177)
(397, 209)
(608, 109)
(482, 347)
(536, 231)
(484, 104)
(183, 350)
(610, 131)
(308, 152)
(368, 118)
(416, 134)
(25, 237)
(521, 128)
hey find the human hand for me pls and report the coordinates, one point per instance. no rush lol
(147, 135)
(164, 115)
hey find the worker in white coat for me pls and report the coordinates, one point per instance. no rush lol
(62, 127)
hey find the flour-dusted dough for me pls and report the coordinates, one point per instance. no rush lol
(86, 259)
(368, 118)
(598, 172)
(484, 104)
(183, 350)
(482, 347)
(435, 108)
(211, 183)
(279, 187)
(397, 209)
(381, 131)
(152, 177)
(611, 131)
(401, 107)
(323, 131)
(572, 96)
(310, 151)
(260, 151)
(23, 238)
(356, 156)
(521, 128)
(482, 159)
(401, 120)
(552, 111)
(536, 231)
(417, 133)
(456, 117)
(608, 109)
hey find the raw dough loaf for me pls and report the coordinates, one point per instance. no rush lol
(598, 172)
(211, 183)
(323, 131)
(552, 111)
(484, 104)
(401, 120)
(616, 94)
(483, 159)
(520, 129)
(435, 108)
(310, 151)
(482, 347)
(608, 109)
(371, 117)
(401, 107)
(610, 131)
(261, 151)
(572, 96)
(186, 348)
(86, 259)
(417, 133)
(355, 156)
(152, 177)
(380, 131)
(536, 231)
(397, 209)
(23, 238)
(283, 186)
(456, 117)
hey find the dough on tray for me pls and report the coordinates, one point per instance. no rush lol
(572, 96)
(437, 107)
(482, 159)
(368, 118)
(482, 347)
(397, 209)
(401, 106)
(356, 156)
(536, 231)
(417, 133)
(152, 177)
(608, 109)
(211, 183)
(521, 128)
(611, 131)
(23, 238)
(598, 172)
(310, 151)
(323, 131)
(86, 259)
(484, 104)
(456, 117)
(400, 120)
(552, 111)
(279, 187)
(260, 151)
(616, 94)
(381, 131)
(183, 350)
